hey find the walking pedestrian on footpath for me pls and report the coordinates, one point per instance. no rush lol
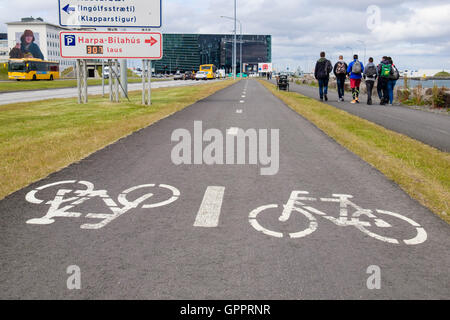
(355, 70)
(322, 74)
(384, 73)
(340, 71)
(370, 76)
(395, 75)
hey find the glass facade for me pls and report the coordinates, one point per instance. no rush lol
(186, 52)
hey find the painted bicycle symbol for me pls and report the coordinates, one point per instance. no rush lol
(296, 205)
(67, 199)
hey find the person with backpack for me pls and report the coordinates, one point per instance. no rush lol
(355, 70)
(384, 73)
(322, 74)
(395, 75)
(340, 71)
(370, 76)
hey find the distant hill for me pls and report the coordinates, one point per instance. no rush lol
(442, 74)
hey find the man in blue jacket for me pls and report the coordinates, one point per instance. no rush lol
(355, 70)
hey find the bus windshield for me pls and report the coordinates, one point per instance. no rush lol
(17, 67)
(206, 68)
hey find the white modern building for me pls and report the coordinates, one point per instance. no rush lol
(4, 52)
(46, 35)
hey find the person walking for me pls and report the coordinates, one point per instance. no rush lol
(384, 73)
(340, 71)
(322, 74)
(370, 76)
(355, 70)
(395, 75)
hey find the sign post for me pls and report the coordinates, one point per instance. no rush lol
(84, 45)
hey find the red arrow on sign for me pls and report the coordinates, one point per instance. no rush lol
(152, 41)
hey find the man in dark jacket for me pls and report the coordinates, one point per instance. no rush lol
(322, 74)
(383, 79)
(340, 71)
(370, 75)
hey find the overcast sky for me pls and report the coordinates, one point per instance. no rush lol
(415, 33)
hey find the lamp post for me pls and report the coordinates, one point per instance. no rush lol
(240, 28)
(350, 49)
(364, 44)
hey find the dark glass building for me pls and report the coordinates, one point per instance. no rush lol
(186, 52)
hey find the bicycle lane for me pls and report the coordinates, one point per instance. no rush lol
(158, 253)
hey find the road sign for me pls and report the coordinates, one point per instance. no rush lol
(265, 67)
(111, 45)
(114, 14)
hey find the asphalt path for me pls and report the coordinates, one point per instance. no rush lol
(205, 246)
(38, 95)
(431, 128)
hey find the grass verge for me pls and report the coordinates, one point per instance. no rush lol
(38, 138)
(11, 86)
(420, 170)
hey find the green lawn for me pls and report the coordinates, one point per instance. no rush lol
(38, 138)
(40, 85)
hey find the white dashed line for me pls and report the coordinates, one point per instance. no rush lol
(209, 212)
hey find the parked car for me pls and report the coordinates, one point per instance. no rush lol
(189, 75)
(201, 75)
(178, 76)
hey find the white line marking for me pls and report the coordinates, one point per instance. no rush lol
(209, 212)
(233, 131)
(242, 101)
(239, 111)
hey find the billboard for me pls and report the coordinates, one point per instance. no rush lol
(27, 45)
(110, 45)
(265, 67)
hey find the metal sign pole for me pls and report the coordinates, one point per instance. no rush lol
(79, 80)
(85, 81)
(110, 81)
(149, 82)
(103, 78)
(143, 82)
(116, 71)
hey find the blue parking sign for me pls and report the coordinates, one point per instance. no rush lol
(69, 40)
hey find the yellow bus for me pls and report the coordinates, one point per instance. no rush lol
(32, 69)
(210, 69)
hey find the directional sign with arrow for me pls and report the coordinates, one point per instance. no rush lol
(112, 13)
(111, 45)
(68, 9)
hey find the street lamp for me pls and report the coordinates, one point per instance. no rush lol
(350, 49)
(240, 28)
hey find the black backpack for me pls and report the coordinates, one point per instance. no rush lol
(371, 71)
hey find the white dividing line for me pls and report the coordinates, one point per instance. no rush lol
(239, 111)
(209, 212)
(233, 131)
(242, 101)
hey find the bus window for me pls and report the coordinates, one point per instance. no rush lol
(17, 67)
